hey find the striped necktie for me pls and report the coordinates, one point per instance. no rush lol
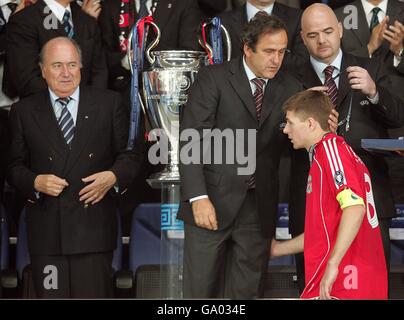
(258, 98)
(258, 95)
(330, 83)
(67, 27)
(65, 121)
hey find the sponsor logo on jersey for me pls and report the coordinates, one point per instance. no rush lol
(339, 178)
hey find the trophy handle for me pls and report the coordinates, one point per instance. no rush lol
(209, 49)
(150, 57)
(228, 41)
(148, 54)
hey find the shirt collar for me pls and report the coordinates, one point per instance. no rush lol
(75, 95)
(252, 11)
(319, 66)
(367, 6)
(4, 2)
(57, 9)
(250, 74)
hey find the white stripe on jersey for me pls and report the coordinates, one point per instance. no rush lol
(334, 160)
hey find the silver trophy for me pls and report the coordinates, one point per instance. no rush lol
(165, 89)
(165, 92)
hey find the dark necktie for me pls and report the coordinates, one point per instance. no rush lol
(67, 27)
(330, 83)
(375, 19)
(143, 12)
(261, 13)
(258, 98)
(65, 122)
(258, 95)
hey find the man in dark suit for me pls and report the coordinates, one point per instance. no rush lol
(375, 35)
(229, 216)
(366, 106)
(29, 29)
(236, 19)
(177, 20)
(68, 157)
(384, 43)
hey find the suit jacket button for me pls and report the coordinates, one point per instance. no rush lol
(90, 155)
(50, 158)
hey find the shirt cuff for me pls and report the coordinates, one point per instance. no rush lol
(375, 99)
(396, 61)
(198, 198)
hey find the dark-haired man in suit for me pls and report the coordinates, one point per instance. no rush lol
(229, 217)
(236, 19)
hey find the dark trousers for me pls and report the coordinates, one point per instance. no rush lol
(73, 276)
(228, 263)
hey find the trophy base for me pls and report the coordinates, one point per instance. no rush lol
(164, 177)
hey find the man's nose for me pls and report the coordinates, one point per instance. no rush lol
(65, 71)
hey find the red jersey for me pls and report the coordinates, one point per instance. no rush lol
(336, 170)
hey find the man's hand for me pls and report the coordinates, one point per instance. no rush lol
(360, 79)
(395, 35)
(101, 182)
(204, 214)
(92, 8)
(377, 36)
(333, 120)
(319, 88)
(329, 277)
(49, 184)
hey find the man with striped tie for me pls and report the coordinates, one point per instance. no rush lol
(68, 158)
(367, 107)
(230, 217)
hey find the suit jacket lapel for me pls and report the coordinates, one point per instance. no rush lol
(86, 119)
(241, 85)
(308, 77)
(78, 24)
(46, 121)
(362, 33)
(271, 96)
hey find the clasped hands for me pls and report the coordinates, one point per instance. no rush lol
(97, 186)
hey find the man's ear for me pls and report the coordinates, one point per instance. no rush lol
(312, 123)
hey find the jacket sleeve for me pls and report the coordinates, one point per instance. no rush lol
(127, 163)
(198, 114)
(18, 172)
